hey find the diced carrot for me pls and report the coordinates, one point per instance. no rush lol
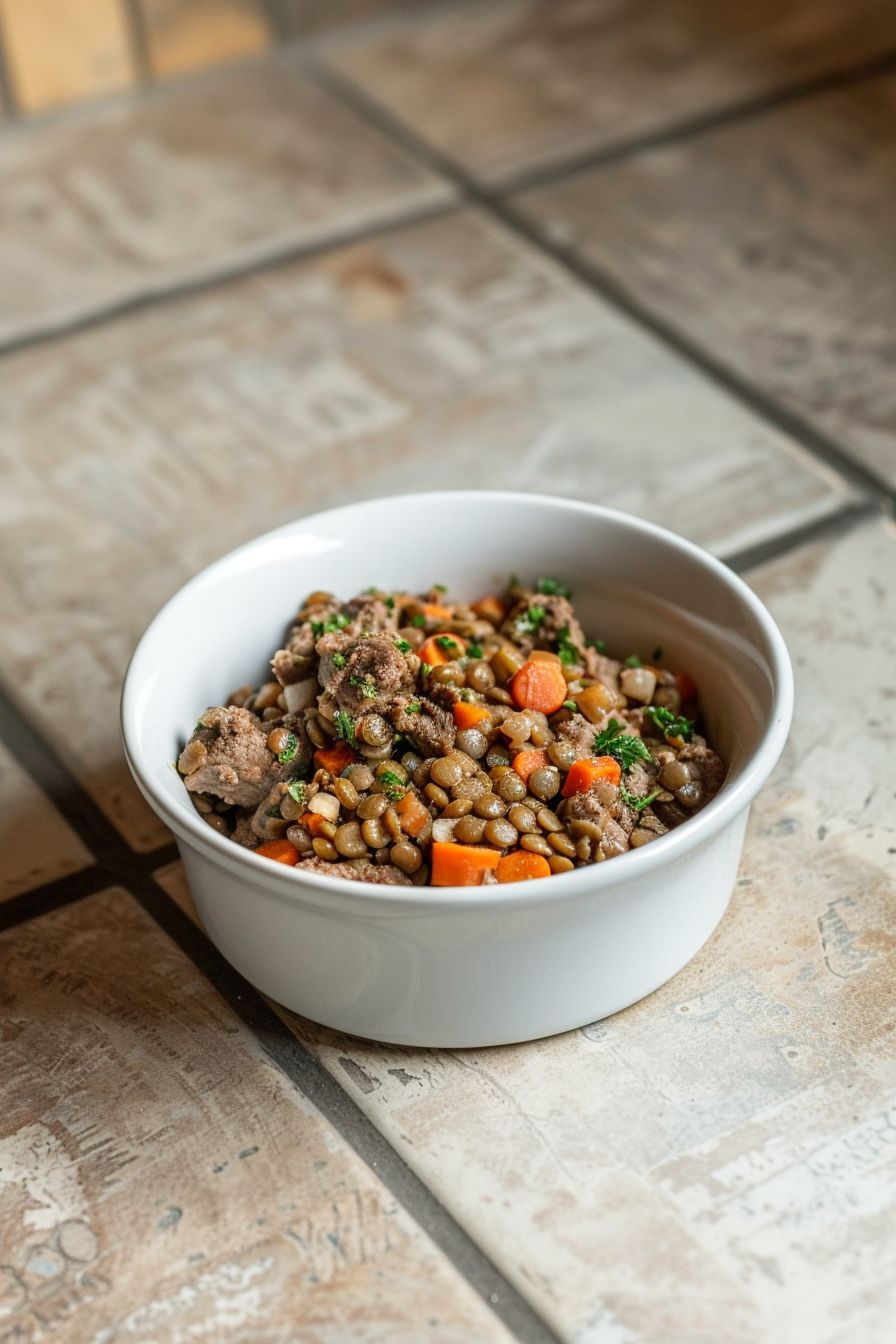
(544, 656)
(687, 687)
(281, 851)
(490, 608)
(412, 813)
(582, 774)
(539, 686)
(434, 653)
(433, 611)
(335, 758)
(467, 716)
(456, 865)
(313, 823)
(524, 762)
(520, 866)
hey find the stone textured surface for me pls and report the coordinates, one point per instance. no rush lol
(799, 240)
(190, 180)
(506, 87)
(442, 355)
(717, 1164)
(36, 843)
(160, 1177)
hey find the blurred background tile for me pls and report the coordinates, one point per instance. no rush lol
(190, 34)
(58, 51)
(124, 201)
(508, 86)
(799, 239)
(163, 1178)
(36, 842)
(447, 352)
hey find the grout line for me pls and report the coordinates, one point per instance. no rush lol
(830, 525)
(692, 127)
(233, 274)
(125, 867)
(789, 422)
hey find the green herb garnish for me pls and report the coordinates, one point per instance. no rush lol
(531, 619)
(446, 642)
(199, 724)
(565, 648)
(614, 741)
(292, 746)
(474, 650)
(371, 590)
(413, 707)
(672, 725)
(336, 622)
(365, 686)
(633, 661)
(553, 588)
(599, 644)
(570, 705)
(339, 660)
(389, 602)
(345, 728)
(393, 785)
(419, 619)
(634, 801)
(296, 791)
(402, 646)
(438, 588)
(425, 669)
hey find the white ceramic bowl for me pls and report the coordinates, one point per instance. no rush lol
(455, 966)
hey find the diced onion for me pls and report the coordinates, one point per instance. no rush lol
(300, 695)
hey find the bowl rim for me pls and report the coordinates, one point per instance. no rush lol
(292, 884)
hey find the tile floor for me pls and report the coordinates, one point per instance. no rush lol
(309, 271)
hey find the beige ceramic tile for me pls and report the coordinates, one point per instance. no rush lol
(188, 34)
(188, 180)
(442, 355)
(788, 216)
(505, 87)
(716, 1165)
(36, 843)
(162, 1180)
(57, 51)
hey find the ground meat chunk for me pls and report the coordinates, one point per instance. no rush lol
(290, 666)
(559, 619)
(578, 731)
(382, 874)
(430, 729)
(601, 806)
(373, 674)
(237, 767)
(370, 614)
(603, 669)
(710, 770)
(267, 822)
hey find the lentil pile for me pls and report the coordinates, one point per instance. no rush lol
(415, 740)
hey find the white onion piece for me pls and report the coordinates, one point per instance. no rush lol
(443, 828)
(300, 695)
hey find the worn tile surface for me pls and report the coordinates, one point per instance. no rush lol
(188, 34)
(191, 179)
(161, 1179)
(442, 354)
(716, 1165)
(36, 843)
(799, 240)
(506, 87)
(57, 51)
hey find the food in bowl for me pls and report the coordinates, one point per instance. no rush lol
(412, 740)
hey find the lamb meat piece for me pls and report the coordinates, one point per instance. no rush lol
(430, 728)
(237, 766)
(603, 807)
(373, 674)
(266, 822)
(381, 874)
(603, 669)
(445, 694)
(578, 731)
(711, 771)
(370, 615)
(290, 666)
(558, 619)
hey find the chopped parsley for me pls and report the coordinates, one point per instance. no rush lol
(565, 648)
(393, 785)
(633, 661)
(673, 725)
(531, 619)
(634, 801)
(339, 660)
(599, 644)
(474, 650)
(553, 588)
(337, 622)
(419, 619)
(369, 592)
(570, 705)
(292, 746)
(365, 686)
(657, 653)
(413, 707)
(402, 646)
(296, 791)
(425, 669)
(438, 588)
(345, 728)
(614, 741)
(389, 602)
(446, 642)
(199, 724)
